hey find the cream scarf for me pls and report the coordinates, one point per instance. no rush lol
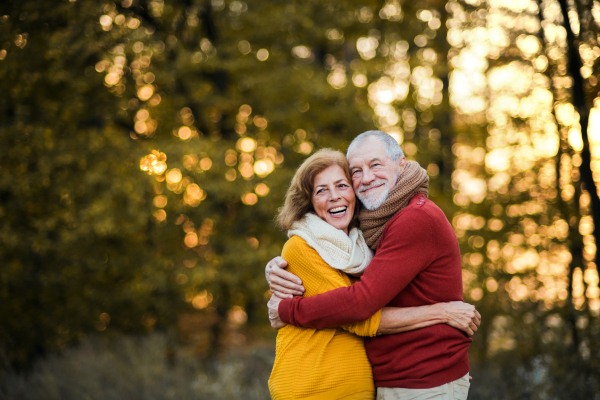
(411, 181)
(348, 253)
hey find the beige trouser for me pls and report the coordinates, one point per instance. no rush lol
(455, 390)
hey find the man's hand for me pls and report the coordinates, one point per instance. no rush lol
(273, 305)
(283, 284)
(461, 315)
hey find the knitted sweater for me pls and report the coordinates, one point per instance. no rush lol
(417, 262)
(328, 363)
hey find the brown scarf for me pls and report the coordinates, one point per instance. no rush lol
(411, 181)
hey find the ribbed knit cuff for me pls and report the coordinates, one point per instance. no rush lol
(284, 310)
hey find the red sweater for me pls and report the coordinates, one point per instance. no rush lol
(417, 263)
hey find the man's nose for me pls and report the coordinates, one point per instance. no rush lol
(367, 176)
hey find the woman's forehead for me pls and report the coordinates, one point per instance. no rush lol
(329, 175)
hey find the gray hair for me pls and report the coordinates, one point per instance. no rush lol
(392, 148)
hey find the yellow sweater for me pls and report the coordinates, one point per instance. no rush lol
(314, 364)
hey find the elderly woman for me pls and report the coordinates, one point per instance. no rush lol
(327, 251)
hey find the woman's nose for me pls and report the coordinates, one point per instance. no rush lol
(334, 195)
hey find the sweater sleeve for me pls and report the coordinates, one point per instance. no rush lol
(405, 250)
(318, 277)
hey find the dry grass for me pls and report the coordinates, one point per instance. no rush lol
(138, 368)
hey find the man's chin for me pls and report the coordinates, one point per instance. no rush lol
(375, 197)
(371, 204)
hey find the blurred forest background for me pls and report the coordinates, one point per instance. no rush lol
(145, 146)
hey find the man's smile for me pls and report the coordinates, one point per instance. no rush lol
(366, 189)
(371, 188)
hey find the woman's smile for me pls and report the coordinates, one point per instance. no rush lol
(338, 212)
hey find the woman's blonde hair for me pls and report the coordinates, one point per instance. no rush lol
(299, 195)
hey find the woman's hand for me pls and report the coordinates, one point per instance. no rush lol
(461, 316)
(283, 284)
(273, 305)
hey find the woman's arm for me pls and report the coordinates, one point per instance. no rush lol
(457, 314)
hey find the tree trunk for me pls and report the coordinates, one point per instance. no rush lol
(581, 106)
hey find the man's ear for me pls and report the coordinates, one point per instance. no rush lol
(402, 163)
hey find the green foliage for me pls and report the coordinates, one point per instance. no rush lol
(93, 88)
(76, 235)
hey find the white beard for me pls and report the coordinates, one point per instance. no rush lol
(373, 201)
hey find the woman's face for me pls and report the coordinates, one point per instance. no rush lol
(333, 197)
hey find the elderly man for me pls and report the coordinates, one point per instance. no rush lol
(417, 262)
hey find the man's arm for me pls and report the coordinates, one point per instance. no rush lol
(381, 282)
(319, 277)
(457, 314)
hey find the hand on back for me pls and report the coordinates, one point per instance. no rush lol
(461, 316)
(282, 283)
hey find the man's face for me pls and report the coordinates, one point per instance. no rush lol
(374, 174)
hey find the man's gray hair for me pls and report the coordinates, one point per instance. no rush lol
(392, 148)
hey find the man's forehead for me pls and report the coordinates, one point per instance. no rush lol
(360, 156)
(369, 146)
(369, 158)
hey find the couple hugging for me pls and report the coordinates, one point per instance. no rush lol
(405, 300)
